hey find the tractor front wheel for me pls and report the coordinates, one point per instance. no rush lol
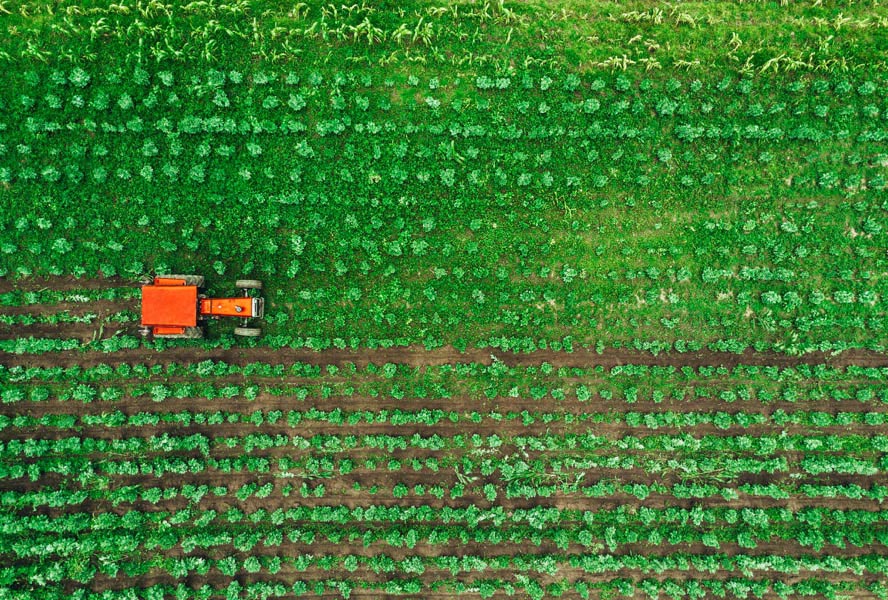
(248, 331)
(197, 280)
(248, 284)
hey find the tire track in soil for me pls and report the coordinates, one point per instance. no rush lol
(62, 283)
(430, 574)
(83, 331)
(102, 308)
(417, 356)
(727, 382)
(570, 594)
(664, 548)
(448, 478)
(511, 430)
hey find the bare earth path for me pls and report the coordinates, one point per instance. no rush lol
(356, 488)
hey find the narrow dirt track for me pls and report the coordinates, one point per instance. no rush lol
(417, 356)
(507, 429)
(62, 284)
(342, 486)
(430, 574)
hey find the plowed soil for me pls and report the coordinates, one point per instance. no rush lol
(62, 284)
(102, 308)
(85, 332)
(287, 574)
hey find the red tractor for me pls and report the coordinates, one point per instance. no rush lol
(173, 307)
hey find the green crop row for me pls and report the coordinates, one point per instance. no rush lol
(131, 494)
(737, 587)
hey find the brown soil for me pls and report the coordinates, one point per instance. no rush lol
(343, 495)
(289, 574)
(340, 489)
(83, 331)
(357, 594)
(445, 428)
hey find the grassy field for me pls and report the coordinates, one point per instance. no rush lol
(580, 299)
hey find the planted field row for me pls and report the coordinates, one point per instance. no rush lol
(121, 541)
(538, 517)
(153, 523)
(478, 389)
(486, 588)
(422, 43)
(45, 397)
(555, 260)
(243, 488)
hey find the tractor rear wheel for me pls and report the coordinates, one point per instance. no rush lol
(190, 333)
(197, 280)
(248, 331)
(248, 284)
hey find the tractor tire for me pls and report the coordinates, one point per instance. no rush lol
(146, 280)
(144, 331)
(248, 331)
(248, 284)
(193, 333)
(197, 280)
